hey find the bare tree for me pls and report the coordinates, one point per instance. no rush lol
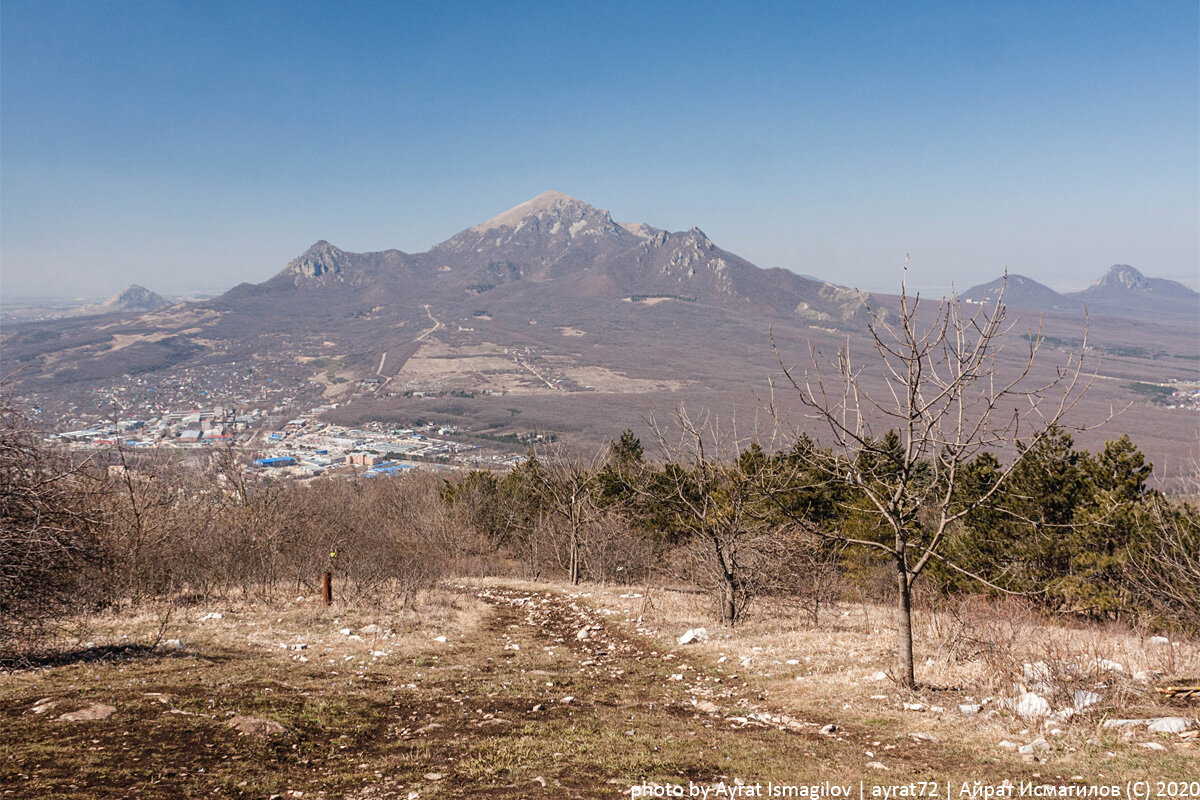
(710, 490)
(568, 487)
(946, 397)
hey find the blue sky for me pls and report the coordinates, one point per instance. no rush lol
(194, 145)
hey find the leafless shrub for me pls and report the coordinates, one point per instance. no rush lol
(1164, 570)
(710, 488)
(212, 530)
(50, 548)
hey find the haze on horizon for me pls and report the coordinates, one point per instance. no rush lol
(191, 147)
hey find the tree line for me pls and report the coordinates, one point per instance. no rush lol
(1076, 532)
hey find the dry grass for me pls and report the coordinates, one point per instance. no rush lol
(968, 652)
(375, 714)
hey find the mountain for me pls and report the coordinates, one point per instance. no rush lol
(549, 316)
(556, 243)
(133, 299)
(1122, 291)
(1019, 292)
(1125, 291)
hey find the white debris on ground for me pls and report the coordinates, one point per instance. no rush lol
(600, 650)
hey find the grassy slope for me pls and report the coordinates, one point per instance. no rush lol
(381, 716)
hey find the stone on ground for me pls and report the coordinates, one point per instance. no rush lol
(1031, 705)
(95, 711)
(256, 726)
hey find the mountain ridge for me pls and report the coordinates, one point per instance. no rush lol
(581, 250)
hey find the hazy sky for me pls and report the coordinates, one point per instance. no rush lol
(195, 145)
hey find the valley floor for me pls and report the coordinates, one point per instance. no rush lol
(506, 690)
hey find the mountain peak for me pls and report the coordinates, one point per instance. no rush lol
(544, 201)
(136, 298)
(1123, 275)
(319, 259)
(133, 298)
(322, 246)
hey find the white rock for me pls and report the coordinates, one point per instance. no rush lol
(914, 706)
(440, 639)
(299, 646)
(923, 737)
(371, 630)
(1152, 746)
(1172, 725)
(875, 765)
(969, 708)
(1031, 705)
(694, 635)
(566, 701)
(583, 633)
(1085, 699)
(1158, 640)
(1106, 665)
(212, 615)
(828, 729)
(791, 662)
(346, 631)
(1005, 744)
(1147, 675)
(171, 644)
(93, 712)
(878, 675)
(44, 705)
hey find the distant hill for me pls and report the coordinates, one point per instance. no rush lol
(132, 299)
(1125, 291)
(1121, 291)
(1020, 292)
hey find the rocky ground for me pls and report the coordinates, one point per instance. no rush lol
(498, 689)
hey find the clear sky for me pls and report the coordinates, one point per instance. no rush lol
(195, 145)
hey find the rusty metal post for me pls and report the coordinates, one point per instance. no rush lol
(327, 587)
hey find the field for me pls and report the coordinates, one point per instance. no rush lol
(489, 689)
